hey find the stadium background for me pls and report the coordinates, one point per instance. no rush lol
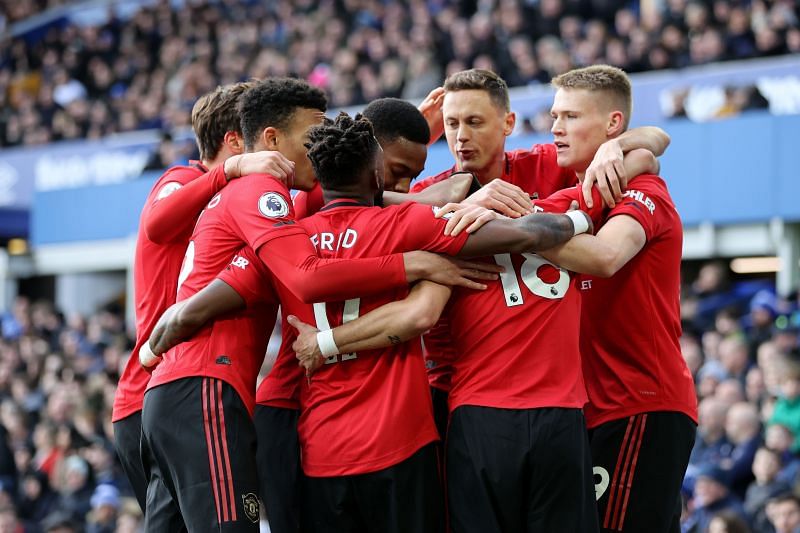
(95, 102)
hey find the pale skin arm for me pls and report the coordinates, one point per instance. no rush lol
(607, 170)
(431, 109)
(604, 254)
(390, 324)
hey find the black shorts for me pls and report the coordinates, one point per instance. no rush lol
(519, 470)
(278, 460)
(639, 464)
(403, 498)
(127, 442)
(441, 411)
(199, 445)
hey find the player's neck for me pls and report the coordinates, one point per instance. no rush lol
(492, 171)
(360, 197)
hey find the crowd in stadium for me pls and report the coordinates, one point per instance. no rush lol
(58, 468)
(86, 82)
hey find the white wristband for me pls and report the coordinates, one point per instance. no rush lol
(146, 356)
(326, 343)
(579, 222)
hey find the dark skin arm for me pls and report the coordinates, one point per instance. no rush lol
(183, 319)
(530, 233)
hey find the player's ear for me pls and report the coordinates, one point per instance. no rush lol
(616, 124)
(234, 142)
(270, 137)
(509, 123)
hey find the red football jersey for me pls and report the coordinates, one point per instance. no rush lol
(535, 171)
(630, 322)
(156, 266)
(252, 210)
(373, 408)
(517, 342)
(308, 203)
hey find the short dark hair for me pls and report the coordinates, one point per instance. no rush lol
(393, 118)
(341, 149)
(785, 497)
(272, 103)
(480, 80)
(215, 114)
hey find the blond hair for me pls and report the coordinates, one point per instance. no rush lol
(603, 79)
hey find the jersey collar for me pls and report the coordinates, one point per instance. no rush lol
(344, 202)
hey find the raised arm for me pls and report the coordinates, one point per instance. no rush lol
(609, 169)
(176, 207)
(389, 324)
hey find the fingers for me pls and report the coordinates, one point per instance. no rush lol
(447, 208)
(605, 192)
(460, 221)
(619, 167)
(468, 284)
(613, 181)
(299, 325)
(586, 188)
(509, 199)
(480, 221)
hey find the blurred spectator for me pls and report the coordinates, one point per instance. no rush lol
(145, 70)
(105, 505)
(711, 497)
(766, 465)
(728, 522)
(787, 408)
(743, 430)
(780, 439)
(711, 444)
(784, 513)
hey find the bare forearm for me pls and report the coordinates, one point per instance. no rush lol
(585, 254)
(453, 189)
(394, 322)
(530, 233)
(174, 327)
(650, 138)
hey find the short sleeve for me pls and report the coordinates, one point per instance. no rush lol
(423, 231)
(260, 209)
(248, 276)
(645, 200)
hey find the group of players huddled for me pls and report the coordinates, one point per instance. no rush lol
(536, 384)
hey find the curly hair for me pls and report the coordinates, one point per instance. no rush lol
(393, 118)
(341, 149)
(272, 103)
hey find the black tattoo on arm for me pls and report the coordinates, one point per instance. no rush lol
(394, 339)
